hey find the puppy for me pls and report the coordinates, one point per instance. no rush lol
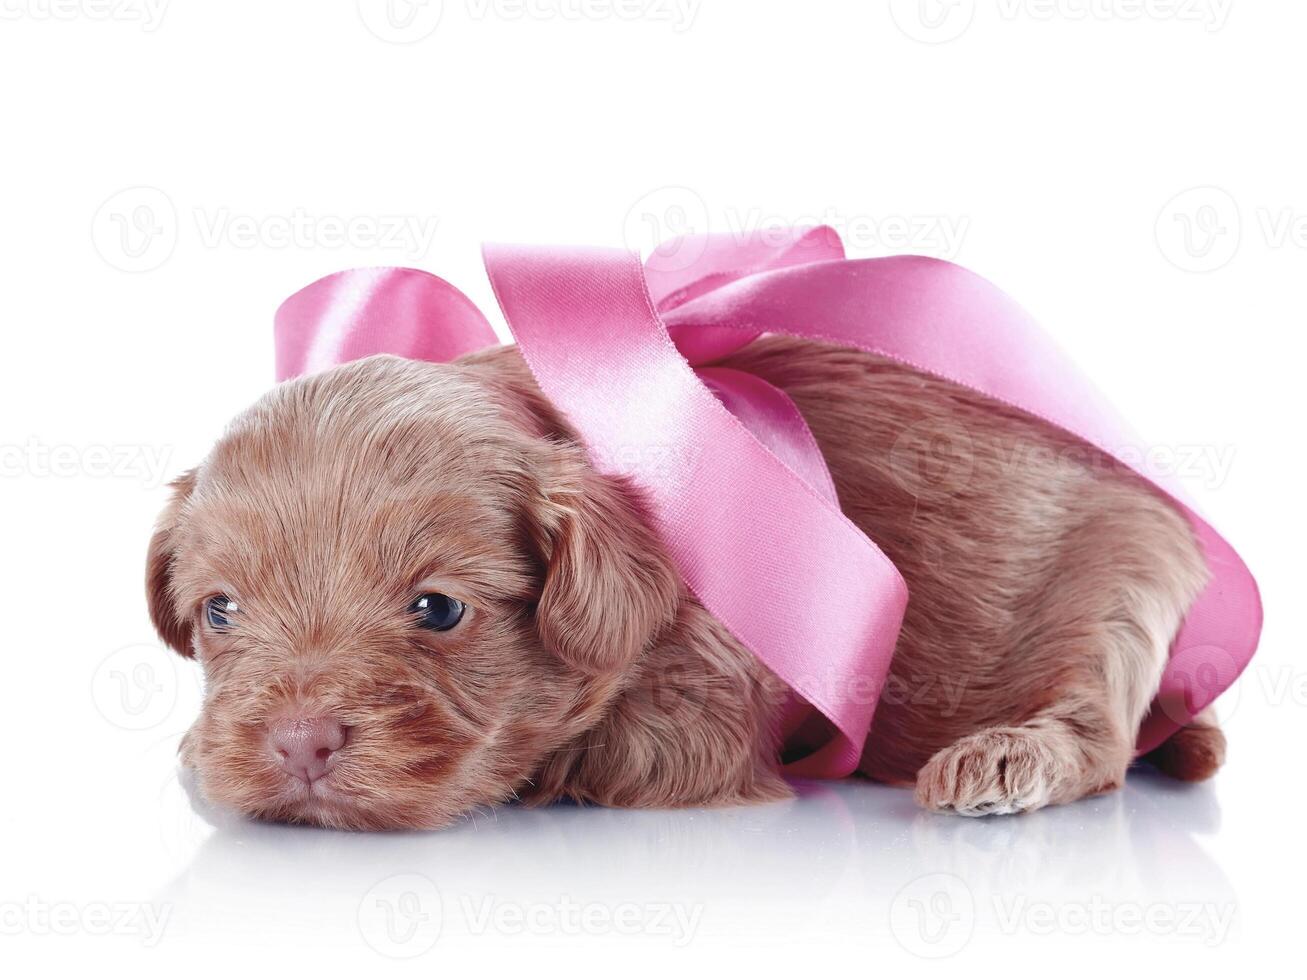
(412, 595)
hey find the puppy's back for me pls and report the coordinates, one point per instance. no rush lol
(1011, 535)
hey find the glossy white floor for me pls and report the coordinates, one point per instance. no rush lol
(1197, 873)
(1132, 172)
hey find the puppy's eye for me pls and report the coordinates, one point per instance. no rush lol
(218, 612)
(437, 611)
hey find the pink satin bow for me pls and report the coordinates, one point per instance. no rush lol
(737, 488)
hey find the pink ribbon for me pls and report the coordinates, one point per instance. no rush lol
(736, 486)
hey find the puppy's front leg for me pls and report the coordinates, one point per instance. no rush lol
(1058, 707)
(1066, 752)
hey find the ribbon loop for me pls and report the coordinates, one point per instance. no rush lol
(359, 312)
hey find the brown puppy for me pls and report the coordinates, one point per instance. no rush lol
(412, 595)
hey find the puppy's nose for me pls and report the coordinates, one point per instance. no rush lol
(306, 747)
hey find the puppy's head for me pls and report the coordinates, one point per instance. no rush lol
(406, 587)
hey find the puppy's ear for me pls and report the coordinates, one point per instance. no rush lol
(609, 585)
(172, 628)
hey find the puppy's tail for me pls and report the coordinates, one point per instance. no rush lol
(1193, 753)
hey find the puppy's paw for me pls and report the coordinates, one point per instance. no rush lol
(995, 771)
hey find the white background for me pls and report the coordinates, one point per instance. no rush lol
(1131, 170)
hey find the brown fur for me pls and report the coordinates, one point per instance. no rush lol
(1194, 753)
(1046, 585)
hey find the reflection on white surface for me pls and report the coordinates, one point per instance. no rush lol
(851, 858)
